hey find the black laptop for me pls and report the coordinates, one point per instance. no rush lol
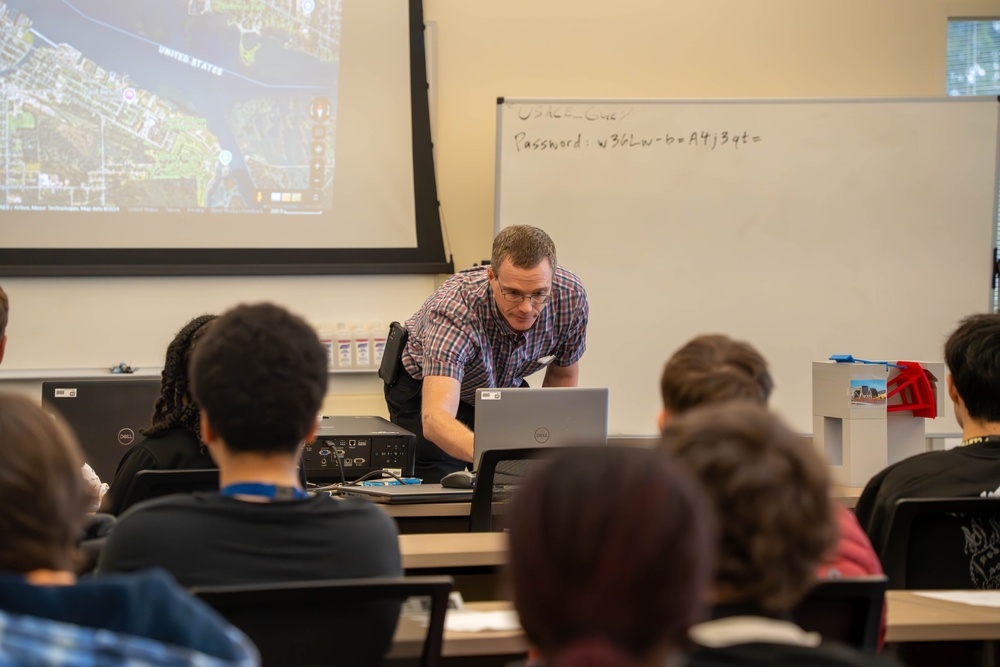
(105, 414)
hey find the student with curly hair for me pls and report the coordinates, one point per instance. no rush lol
(770, 492)
(259, 376)
(714, 368)
(173, 439)
(4, 310)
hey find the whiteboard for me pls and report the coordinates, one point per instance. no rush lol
(806, 227)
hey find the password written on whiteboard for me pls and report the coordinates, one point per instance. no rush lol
(624, 140)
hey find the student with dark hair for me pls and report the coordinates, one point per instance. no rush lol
(610, 558)
(46, 616)
(4, 310)
(173, 439)
(771, 495)
(710, 369)
(972, 353)
(259, 375)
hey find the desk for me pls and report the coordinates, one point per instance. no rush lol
(465, 645)
(430, 517)
(473, 559)
(454, 517)
(453, 550)
(846, 495)
(910, 618)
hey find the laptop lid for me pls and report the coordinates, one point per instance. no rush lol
(407, 493)
(106, 415)
(539, 417)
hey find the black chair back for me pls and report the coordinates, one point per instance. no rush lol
(501, 472)
(343, 622)
(149, 484)
(944, 543)
(846, 610)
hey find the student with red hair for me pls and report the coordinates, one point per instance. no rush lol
(610, 556)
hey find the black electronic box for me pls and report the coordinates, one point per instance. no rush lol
(363, 445)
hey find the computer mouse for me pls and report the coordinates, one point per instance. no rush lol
(460, 479)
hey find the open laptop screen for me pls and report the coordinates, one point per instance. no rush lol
(539, 417)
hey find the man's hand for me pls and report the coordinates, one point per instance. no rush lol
(440, 399)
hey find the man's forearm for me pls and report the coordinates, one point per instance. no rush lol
(451, 435)
(561, 376)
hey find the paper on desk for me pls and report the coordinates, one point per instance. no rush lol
(977, 598)
(478, 621)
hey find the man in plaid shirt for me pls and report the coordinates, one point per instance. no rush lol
(486, 327)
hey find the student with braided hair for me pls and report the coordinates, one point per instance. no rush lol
(173, 439)
(4, 309)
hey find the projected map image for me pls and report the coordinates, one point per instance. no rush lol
(168, 105)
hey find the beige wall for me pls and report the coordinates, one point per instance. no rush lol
(547, 48)
(660, 48)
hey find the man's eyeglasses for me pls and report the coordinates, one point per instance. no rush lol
(517, 297)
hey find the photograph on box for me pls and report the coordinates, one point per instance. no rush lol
(869, 392)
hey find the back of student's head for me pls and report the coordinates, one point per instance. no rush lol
(4, 310)
(713, 368)
(973, 356)
(770, 491)
(260, 375)
(43, 496)
(175, 407)
(610, 556)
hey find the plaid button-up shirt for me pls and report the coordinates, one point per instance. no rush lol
(460, 333)
(26, 640)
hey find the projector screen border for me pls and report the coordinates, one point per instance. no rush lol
(428, 257)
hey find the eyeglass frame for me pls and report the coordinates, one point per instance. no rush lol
(520, 298)
(533, 299)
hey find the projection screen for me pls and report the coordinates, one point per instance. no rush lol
(216, 137)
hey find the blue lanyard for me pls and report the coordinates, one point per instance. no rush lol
(272, 491)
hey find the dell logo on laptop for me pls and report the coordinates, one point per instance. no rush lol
(126, 437)
(541, 435)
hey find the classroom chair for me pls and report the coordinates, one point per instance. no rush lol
(342, 622)
(501, 472)
(149, 484)
(846, 610)
(943, 543)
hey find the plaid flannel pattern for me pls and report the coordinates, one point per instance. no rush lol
(26, 640)
(460, 333)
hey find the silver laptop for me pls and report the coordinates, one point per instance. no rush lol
(539, 417)
(407, 493)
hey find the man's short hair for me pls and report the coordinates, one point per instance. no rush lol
(4, 310)
(524, 246)
(973, 356)
(713, 368)
(771, 495)
(260, 375)
(43, 495)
